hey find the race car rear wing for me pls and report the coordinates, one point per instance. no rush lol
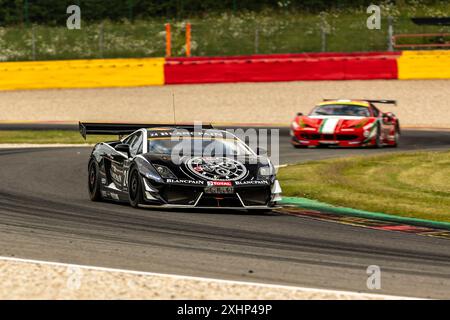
(384, 101)
(121, 129)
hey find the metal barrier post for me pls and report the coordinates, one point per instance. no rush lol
(168, 40)
(188, 39)
(390, 34)
(256, 40)
(33, 43)
(100, 40)
(324, 40)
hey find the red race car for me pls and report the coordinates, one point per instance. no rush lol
(346, 123)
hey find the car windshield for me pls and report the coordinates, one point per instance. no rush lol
(197, 146)
(340, 110)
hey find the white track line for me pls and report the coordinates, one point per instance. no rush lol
(50, 145)
(356, 295)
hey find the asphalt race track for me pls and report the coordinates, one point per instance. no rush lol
(45, 214)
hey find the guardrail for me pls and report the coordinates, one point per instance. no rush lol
(421, 45)
(251, 68)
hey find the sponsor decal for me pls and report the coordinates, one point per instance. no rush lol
(152, 134)
(252, 182)
(185, 181)
(217, 168)
(185, 133)
(220, 183)
(116, 177)
(116, 173)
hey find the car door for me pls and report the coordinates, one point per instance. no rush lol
(136, 147)
(385, 126)
(120, 162)
(389, 123)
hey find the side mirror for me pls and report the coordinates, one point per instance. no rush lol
(299, 114)
(261, 151)
(122, 147)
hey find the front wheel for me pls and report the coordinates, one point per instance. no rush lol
(94, 181)
(378, 141)
(135, 194)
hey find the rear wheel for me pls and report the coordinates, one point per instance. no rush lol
(94, 181)
(396, 138)
(135, 195)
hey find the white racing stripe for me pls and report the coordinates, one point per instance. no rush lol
(329, 125)
(337, 117)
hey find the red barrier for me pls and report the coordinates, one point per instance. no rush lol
(311, 55)
(288, 67)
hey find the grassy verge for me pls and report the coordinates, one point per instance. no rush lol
(266, 32)
(410, 185)
(49, 136)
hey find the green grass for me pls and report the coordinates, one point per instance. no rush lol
(411, 185)
(49, 136)
(219, 34)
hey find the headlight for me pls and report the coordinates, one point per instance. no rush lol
(148, 170)
(359, 125)
(295, 125)
(265, 172)
(153, 176)
(300, 124)
(164, 172)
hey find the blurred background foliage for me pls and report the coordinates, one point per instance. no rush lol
(36, 29)
(52, 12)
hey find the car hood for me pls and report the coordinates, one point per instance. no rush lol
(333, 122)
(211, 168)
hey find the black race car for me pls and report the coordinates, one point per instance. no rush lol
(179, 166)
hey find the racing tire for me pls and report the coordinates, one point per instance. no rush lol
(396, 139)
(135, 193)
(378, 142)
(94, 181)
